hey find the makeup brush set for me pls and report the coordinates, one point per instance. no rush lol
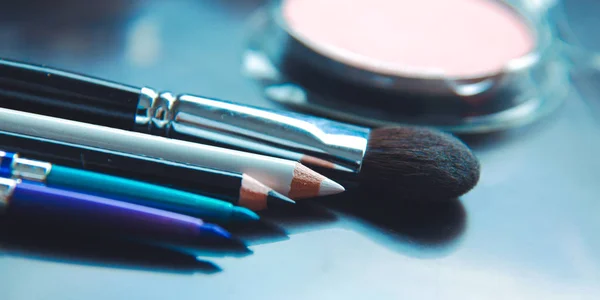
(156, 165)
(94, 150)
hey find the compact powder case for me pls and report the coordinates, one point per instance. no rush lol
(460, 65)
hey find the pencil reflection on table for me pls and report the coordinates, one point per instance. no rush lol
(27, 240)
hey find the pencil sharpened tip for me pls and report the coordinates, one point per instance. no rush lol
(274, 198)
(216, 239)
(330, 187)
(241, 214)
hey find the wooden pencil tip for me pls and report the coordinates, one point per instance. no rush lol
(253, 194)
(308, 183)
(275, 199)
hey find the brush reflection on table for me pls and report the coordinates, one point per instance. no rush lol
(411, 228)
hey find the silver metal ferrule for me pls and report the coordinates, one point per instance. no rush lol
(7, 189)
(143, 115)
(32, 170)
(278, 133)
(162, 111)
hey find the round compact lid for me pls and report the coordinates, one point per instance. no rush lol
(459, 39)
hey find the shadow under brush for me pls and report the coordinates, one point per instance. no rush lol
(415, 228)
(434, 223)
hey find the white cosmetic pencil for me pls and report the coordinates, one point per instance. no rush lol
(284, 176)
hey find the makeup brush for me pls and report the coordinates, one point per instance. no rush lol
(418, 162)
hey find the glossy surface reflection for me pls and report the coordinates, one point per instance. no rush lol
(529, 230)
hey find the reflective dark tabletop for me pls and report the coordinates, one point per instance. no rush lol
(529, 230)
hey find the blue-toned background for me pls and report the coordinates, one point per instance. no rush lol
(529, 230)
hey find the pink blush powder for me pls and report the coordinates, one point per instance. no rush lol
(414, 38)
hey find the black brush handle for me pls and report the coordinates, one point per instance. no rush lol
(52, 92)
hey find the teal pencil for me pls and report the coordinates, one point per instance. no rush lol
(138, 192)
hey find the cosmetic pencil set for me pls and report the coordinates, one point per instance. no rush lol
(165, 168)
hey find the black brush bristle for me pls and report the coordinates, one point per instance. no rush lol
(418, 163)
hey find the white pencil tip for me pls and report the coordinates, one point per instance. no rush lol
(330, 187)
